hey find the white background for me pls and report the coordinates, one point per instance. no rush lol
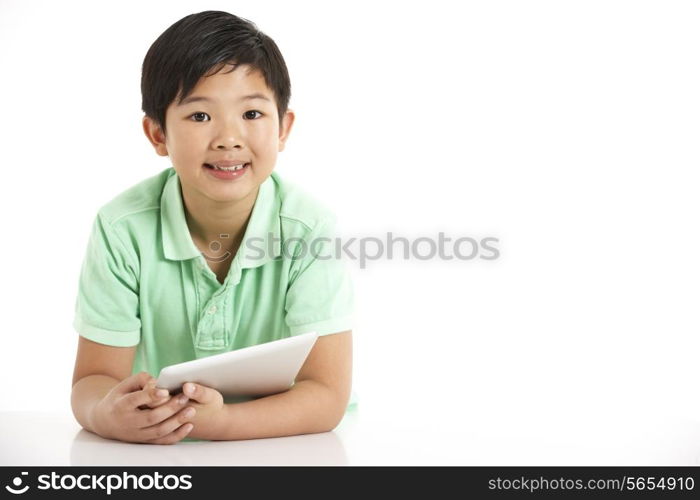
(568, 130)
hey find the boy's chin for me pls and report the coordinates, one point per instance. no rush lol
(231, 193)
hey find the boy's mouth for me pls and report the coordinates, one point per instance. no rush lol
(232, 168)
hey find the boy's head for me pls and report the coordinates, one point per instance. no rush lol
(196, 83)
(198, 44)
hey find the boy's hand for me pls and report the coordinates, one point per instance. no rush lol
(133, 411)
(209, 404)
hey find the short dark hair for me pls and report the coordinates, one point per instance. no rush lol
(200, 45)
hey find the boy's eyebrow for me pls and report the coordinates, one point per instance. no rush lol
(195, 98)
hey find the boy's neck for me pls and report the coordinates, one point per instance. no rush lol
(208, 220)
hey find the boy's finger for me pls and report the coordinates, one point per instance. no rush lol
(143, 397)
(135, 400)
(158, 393)
(136, 382)
(167, 426)
(158, 397)
(157, 415)
(177, 435)
(157, 402)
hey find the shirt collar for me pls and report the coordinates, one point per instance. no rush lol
(261, 242)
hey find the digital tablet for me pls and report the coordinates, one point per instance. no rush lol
(258, 370)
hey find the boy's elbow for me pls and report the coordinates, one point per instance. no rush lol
(335, 421)
(336, 406)
(327, 406)
(331, 422)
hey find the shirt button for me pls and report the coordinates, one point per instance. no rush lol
(212, 310)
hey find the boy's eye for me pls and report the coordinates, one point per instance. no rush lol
(247, 114)
(201, 117)
(200, 114)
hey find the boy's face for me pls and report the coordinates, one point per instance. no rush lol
(227, 126)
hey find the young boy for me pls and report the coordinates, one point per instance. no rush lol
(214, 254)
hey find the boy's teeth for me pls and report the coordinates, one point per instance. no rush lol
(229, 169)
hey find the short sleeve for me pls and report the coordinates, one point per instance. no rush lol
(320, 291)
(107, 305)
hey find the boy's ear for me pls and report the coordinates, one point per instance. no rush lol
(155, 136)
(285, 128)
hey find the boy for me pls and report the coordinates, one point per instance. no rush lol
(214, 254)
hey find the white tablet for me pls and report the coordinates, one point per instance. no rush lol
(258, 370)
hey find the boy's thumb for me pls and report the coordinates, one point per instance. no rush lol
(198, 392)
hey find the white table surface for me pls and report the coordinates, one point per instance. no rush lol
(363, 438)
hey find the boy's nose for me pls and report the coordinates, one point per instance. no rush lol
(227, 142)
(228, 137)
(227, 147)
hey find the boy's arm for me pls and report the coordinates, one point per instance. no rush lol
(315, 403)
(98, 369)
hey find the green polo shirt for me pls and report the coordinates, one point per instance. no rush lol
(144, 282)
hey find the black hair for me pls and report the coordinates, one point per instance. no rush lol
(200, 45)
